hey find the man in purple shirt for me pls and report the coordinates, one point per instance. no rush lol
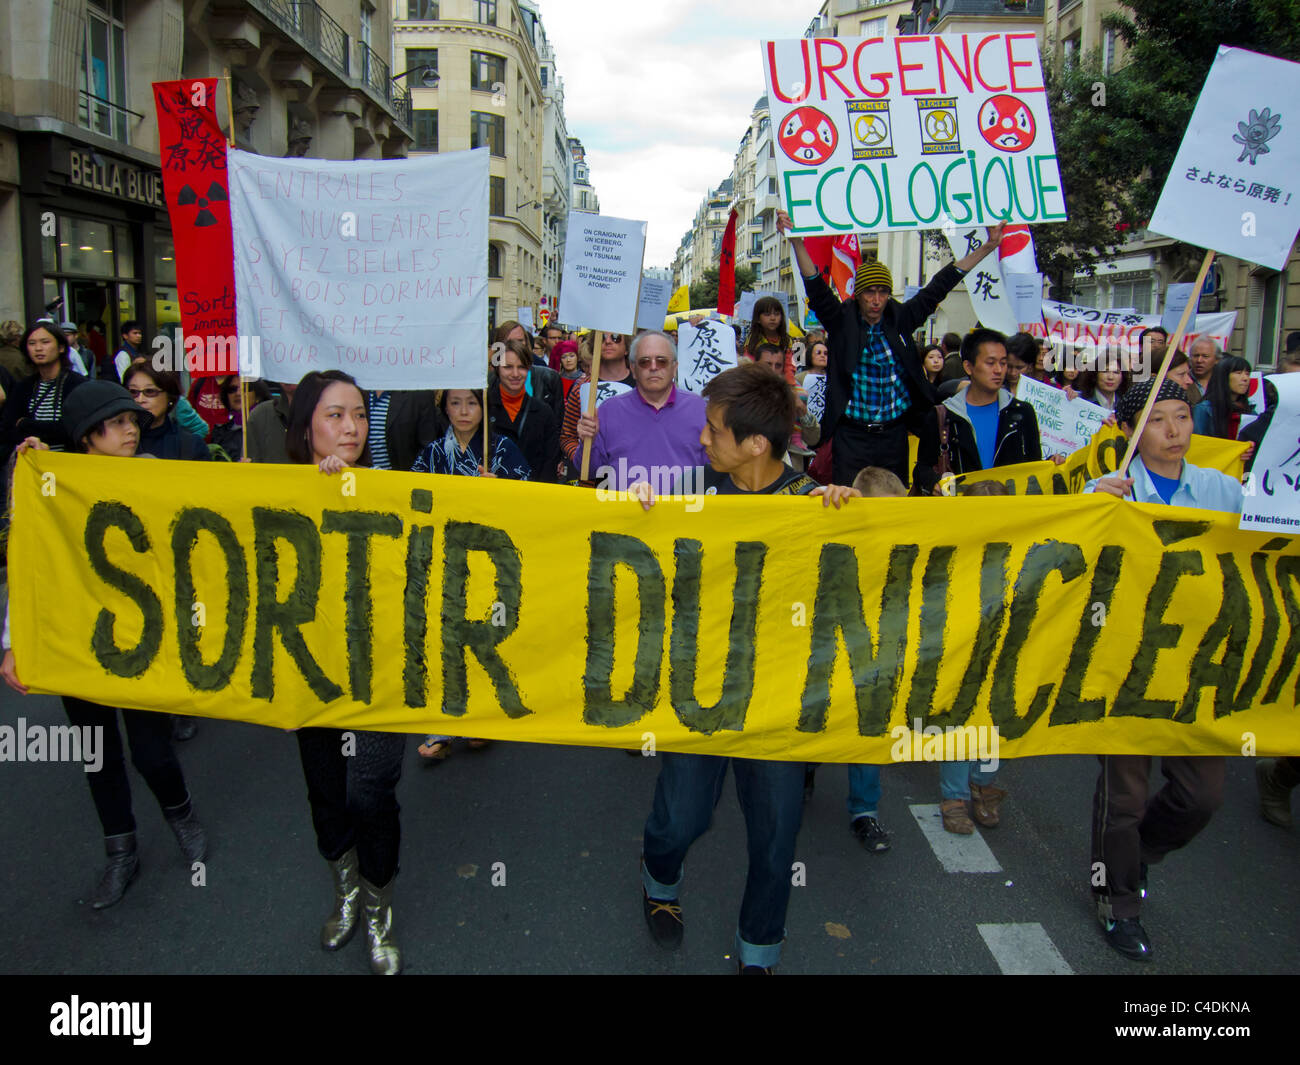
(652, 433)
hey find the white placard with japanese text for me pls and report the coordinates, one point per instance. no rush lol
(1235, 183)
(703, 352)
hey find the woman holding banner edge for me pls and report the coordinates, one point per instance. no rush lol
(101, 418)
(352, 788)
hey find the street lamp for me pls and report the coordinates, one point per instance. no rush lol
(428, 76)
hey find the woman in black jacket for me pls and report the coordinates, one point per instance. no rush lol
(102, 420)
(157, 392)
(524, 417)
(34, 405)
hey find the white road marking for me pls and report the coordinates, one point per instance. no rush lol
(1024, 950)
(958, 854)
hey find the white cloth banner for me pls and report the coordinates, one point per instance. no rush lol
(1272, 491)
(988, 293)
(1069, 323)
(602, 272)
(703, 352)
(1064, 425)
(374, 268)
(1235, 182)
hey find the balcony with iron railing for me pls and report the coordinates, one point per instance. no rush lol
(927, 16)
(310, 26)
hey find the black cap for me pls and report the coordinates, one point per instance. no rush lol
(1131, 402)
(94, 402)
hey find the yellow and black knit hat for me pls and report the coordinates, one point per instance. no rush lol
(873, 273)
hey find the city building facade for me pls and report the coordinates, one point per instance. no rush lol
(81, 200)
(487, 94)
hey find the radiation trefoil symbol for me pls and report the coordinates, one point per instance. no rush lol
(808, 136)
(187, 195)
(1007, 124)
(1261, 126)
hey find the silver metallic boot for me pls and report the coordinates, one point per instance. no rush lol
(385, 957)
(340, 924)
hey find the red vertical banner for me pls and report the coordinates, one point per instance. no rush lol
(727, 269)
(196, 187)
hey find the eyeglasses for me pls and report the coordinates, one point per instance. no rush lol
(147, 393)
(654, 360)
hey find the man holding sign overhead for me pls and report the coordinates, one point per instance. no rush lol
(876, 388)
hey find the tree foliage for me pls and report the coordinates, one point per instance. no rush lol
(1117, 134)
(704, 293)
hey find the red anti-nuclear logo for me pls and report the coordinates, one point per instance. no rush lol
(808, 136)
(1007, 124)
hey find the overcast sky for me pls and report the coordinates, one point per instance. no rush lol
(660, 95)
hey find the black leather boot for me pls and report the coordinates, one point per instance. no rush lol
(189, 833)
(122, 867)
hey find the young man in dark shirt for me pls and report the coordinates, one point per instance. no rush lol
(748, 422)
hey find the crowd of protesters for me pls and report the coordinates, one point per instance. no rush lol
(748, 433)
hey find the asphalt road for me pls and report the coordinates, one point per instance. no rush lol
(566, 824)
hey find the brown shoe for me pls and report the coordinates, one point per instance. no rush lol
(984, 803)
(955, 817)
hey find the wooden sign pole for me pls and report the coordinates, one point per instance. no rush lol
(1170, 351)
(596, 359)
(243, 385)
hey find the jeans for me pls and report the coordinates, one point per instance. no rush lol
(771, 798)
(864, 791)
(353, 796)
(150, 736)
(955, 778)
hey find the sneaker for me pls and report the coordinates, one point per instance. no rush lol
(955, 817)
(1129, 938)
(664, 918)
(872, 837)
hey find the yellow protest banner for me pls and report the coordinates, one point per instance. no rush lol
(680, 300)
(1102, 456)
(766, 627)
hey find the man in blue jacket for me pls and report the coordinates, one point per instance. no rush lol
(876, 389)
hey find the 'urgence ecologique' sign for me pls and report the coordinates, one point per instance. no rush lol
(897, 133)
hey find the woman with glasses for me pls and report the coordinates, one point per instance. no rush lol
(613, 367)
(157, 392)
